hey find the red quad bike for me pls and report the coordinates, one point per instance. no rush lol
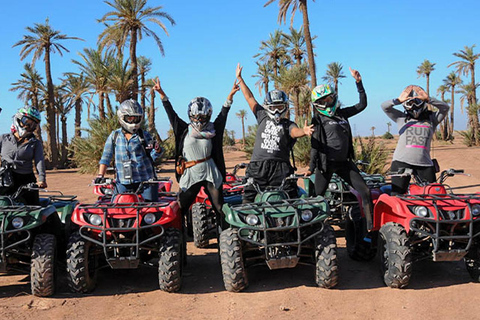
(106, 190)
(430, 222)
(201, 220)
(122, 232)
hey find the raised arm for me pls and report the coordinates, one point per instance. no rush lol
(362, 96)
(247, 93)
(173, 117)
(297, 132)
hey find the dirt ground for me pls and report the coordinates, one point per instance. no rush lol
(436, 291)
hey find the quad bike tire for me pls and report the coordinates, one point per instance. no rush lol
(395, 255)
(231, 258)
(42, 265)
(81, 264)
(326, 264)
(357, 248)
(472, 263)
(170, 262)
(200, 225)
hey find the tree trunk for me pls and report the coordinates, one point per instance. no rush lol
(475, 122)
(428, 83)
(308, 40)
(78, 118)
(151, 115)
(101, 108)
(265, 86)
(133, 63)
(51, 125)
(452, 109)
(243, 131)
(143, 91)
(109, 106)
(63, 162)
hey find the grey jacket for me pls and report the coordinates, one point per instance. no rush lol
(23, 155)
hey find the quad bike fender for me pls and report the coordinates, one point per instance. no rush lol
(390, 209)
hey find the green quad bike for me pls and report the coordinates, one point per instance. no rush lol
(280, 232)
(31, 236)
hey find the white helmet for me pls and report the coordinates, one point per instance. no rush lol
(276, 104)
(26, 120)
(200, 111)
(130, 115)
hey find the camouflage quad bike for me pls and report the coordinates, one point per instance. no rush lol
(280, 232)
(32, 236)
(202, 220)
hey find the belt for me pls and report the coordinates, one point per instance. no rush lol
(189, 164)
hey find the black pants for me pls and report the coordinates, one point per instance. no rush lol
(29, 197)
(269, 173)
(400, 184)
(186, 198)
(349, 172)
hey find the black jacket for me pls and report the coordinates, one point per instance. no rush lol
(318, 156)
(180, 130)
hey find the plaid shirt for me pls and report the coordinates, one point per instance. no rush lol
(131, 150)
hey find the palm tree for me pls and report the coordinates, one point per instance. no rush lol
(295, 42)
(31, 88)
(120, 80)
(43, 41)
(144, 66)
(282, 15)
(274, 53)
(333, 74)
(466, 66)
(242, 114)
(424, 70)
(373, 131)
(451, 81)
(467, 91)
(95, 65)
(129, 19)
(294, 81)
(263, 75)
(151, 110)
(75, 88)
(389, 124)
(445, 125)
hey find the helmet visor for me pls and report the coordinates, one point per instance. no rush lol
(27, 123)
(132, 119)
(199, 118)
(325, 101)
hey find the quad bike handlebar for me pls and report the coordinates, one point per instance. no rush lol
(408, 172)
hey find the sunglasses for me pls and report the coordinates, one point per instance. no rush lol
(132, 119)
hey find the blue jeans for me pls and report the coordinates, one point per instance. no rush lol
(150, 191)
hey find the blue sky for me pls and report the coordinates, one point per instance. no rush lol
(384, 40)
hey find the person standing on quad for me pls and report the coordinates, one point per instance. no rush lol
(18, 149)
(276, 136)
(332, 143)
(135, 152)
(416, 127)
(199, 149)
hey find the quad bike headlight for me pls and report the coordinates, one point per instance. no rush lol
(251, 219)
(95, 219)
(332, 186)
(476, 210)
(307, 215)
(149, 218)
(17, 222)
(420, 211)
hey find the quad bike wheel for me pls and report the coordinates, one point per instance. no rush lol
(472, 262)
(170, 261)
(81, 264)
(357, 248)
(326, 269)
(42, 265)
(231, 258)
(200, 225)
(395, 255)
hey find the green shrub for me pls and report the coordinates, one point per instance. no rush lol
(467, 137)
(375, 154)
(250, 139)
(387, 136)
(168, 145)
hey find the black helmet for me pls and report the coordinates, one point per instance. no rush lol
(276, 104)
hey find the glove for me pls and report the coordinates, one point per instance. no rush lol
(99, 180)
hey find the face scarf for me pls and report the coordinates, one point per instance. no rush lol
(207, 132)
